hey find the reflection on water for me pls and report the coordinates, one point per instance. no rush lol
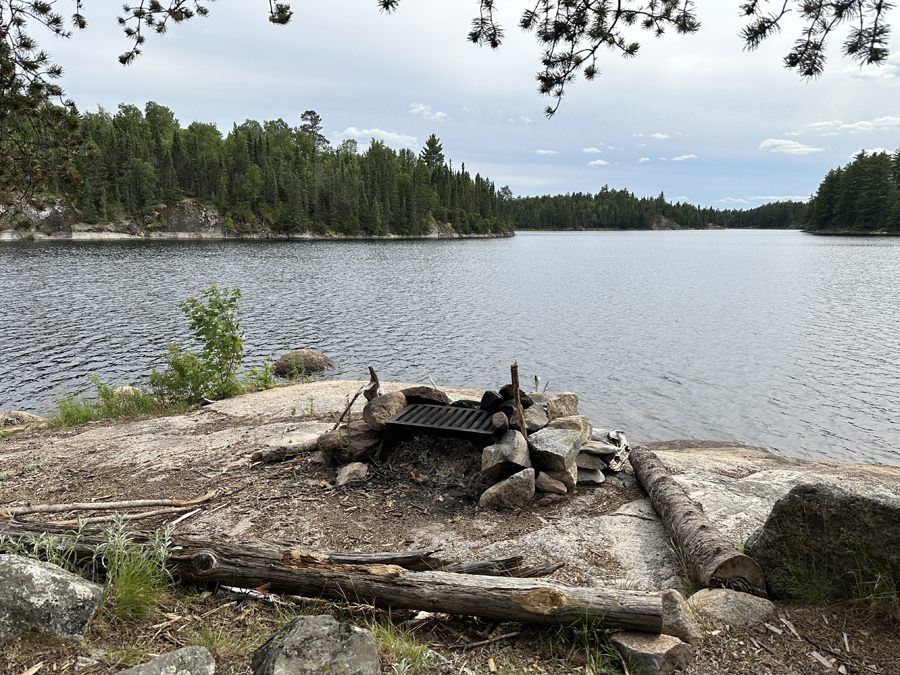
(777, 339)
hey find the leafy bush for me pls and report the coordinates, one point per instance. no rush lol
(110, 402)
(212, 372)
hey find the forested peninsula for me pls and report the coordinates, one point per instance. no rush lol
(265, 179)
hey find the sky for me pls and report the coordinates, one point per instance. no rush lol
(695, 117)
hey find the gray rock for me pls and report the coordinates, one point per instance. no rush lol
(590, 476)
(604, 451)
(311, 645)
(15, 418)
(544, 483)
(515, 491)
(539, 398)
(586, 460)
(500, 421)
(506, 457)
(380, 409)
(42, 598)
(577, 422)
(554, 450)
(568, 478)
(186, 661)
(844, 537)
(302, 362)
(426, 395)
(564, 404)
(731, 607)
(535, 419)
(351, 473)
(679, 620)
(653, 654)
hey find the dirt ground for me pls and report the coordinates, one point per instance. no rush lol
(426, 486)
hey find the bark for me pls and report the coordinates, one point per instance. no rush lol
(514, 373)
(382, 580)
(711, 559)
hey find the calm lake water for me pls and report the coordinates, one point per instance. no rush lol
(778, 339)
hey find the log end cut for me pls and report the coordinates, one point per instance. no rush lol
(739, 573)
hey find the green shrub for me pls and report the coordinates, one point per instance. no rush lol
(110, 402)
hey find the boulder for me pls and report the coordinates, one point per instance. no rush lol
(535, 419)
(831, 538)
(467, 403)
(16, 418)
(578, 422)
(186, 661)
(507, 456)
(500, 421)
(590, 477)
(554, 450)
(351, 473)
(381, 408)
(539, 397)
(490, 400)
(679, 619)
(585, 460)
(506, 391)
(516, 491)
(311, 645)
(37, 597)
(564, 404)
(544, 483)
(300, 362)
(425, 395)
(653, 654)
(568, 478)
(731, 607)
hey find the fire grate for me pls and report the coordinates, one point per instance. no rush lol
(439, 420)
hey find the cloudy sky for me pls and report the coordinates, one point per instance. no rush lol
(693, 116)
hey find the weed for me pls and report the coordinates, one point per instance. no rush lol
(293, 410)
(311, 408)
(401, 646)
(261, 377)
(690, 586)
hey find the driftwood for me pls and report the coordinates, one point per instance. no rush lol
(711, 559)
(383, 580)
(285, 451)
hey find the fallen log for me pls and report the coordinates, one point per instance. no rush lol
(380, 580)
(711, 559)
(284, 452)
(9, 512)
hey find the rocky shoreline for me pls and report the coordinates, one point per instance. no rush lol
(184, 220)
(608, 535)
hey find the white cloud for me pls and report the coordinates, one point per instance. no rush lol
(659, 136)
(591, 150)
(888, 72)
(546, 152)
(638, 135)
(872, 151)
(527, 120)
(787, 147)
(791, 133)
(829, 133)
(662, 159)
(786, 198)
(682, 157)
(598, 162)
(643, 159)
(877, 124)
(732, 200)
(426, 112)
(363, 136)
(816, 126)
(641, 145)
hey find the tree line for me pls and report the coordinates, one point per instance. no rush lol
(863, 196)
(611, 209)
(288, 179)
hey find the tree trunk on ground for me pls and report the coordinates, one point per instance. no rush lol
(711, 559)
(378, 579)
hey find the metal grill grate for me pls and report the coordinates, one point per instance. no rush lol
(440, 420)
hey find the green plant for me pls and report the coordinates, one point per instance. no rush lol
(293, 410)
(136, 574)
(263, 376)
(311, 408)
(212, 372)
(401, 646)
(690, 586)
(110, 402)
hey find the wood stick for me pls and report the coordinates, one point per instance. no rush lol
(514, 372)
(127, 516)
(350, 405)
(712, 560)
(8, 513)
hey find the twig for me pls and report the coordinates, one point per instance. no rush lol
(349, 405)
(185, 517)
(492, 640)
(103, 506)
(127, 516)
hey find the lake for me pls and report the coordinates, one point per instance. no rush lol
(771, 338)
